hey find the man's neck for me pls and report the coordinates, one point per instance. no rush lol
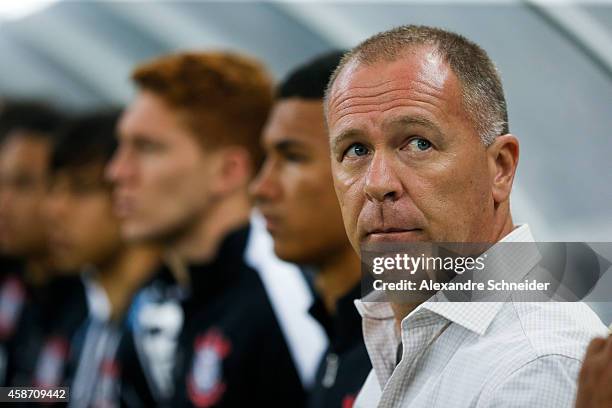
(336, 276)
(37, 270)
(125, 273)
(500, 229)
(201, 242)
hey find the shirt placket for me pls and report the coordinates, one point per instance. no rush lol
(417, 336)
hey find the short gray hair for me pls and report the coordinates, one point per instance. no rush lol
(483, 94)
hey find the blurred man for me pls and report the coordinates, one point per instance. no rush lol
(27, 131)
(26, 137)
(421, 152)
(85, 237)
(295, 194)
(189, 145)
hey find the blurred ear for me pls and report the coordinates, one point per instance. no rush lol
(234, 169)
(503, 156)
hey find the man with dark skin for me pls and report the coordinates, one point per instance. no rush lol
(295, 194)
(421, 152)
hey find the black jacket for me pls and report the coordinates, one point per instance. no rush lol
(346, 364)
(230, 351)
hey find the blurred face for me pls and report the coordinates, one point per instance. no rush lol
(294, 188)
(162, 176)
(23, 185)
(406, 160)
(82, 227)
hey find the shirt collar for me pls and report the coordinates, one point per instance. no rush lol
(208, 279)
(507, 264)
(474, 316)
(343, 328)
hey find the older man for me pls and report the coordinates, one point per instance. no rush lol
(421, 152)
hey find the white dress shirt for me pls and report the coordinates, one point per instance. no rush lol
(479, 354)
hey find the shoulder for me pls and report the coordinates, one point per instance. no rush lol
(539, 348)
(560, 328)
(546, 381)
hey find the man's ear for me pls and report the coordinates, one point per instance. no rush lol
(503, 156)
(233, 170)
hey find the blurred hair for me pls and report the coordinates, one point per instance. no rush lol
(89, 139)
(309, 80)
(37, 118)
(483, 94)
(224, 97)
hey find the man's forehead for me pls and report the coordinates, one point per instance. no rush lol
(418, 77)
(296, 119)
(147, 110)
(421, 64)
(19, 144)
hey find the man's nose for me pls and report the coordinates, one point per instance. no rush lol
(382, 183)
(264, 187)
(119, 168)
(55, 206)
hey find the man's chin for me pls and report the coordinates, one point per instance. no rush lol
(133, 233)
(166, 234)
(293, 255)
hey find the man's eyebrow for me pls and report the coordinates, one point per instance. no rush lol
(140, 137)
(411, 121)
(345, 134)
(287, 144)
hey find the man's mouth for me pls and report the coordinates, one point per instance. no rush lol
(393, 234)
(59, 244)
(123, 207)
(272, 222)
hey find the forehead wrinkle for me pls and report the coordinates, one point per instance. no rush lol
(332, 100)
(416, 85)
(407, 97)
(422, 101)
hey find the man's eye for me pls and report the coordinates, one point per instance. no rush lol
(295, 157)
(356, 150)
(147, 146)
(420, 144)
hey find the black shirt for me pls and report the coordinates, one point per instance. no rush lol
(232, 350)
(346, 364)
(41, 351)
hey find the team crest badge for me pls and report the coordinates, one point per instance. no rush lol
(205, 384)
(51, 362)
(348, 401)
